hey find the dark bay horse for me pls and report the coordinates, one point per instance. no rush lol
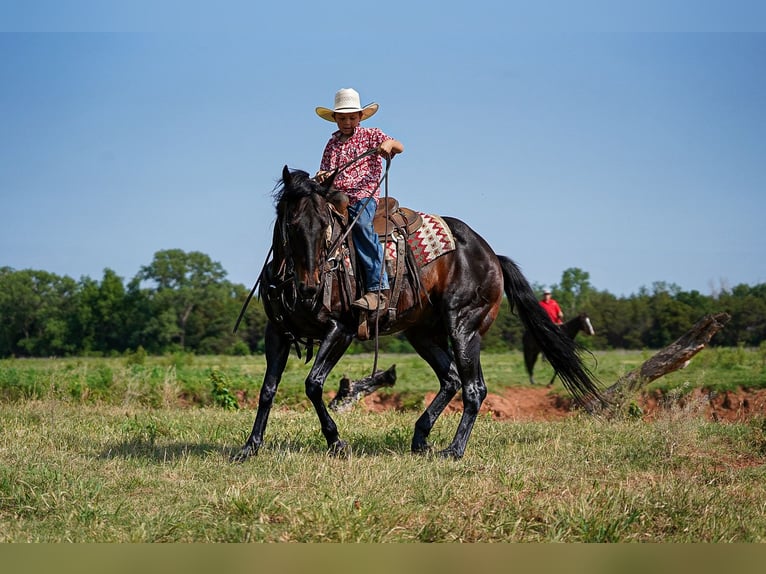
(444, 317)
(571, 328)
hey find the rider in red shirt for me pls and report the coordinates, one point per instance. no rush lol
(551, 307)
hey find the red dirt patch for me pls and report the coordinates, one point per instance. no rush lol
(542, 404)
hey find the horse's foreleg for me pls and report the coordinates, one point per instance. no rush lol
(330, 352)
(435, 351)
(277, 348)
(530, 355)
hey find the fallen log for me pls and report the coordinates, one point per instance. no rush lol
(672, 358)
(349, 392)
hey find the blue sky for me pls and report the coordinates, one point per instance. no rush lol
(630, 146)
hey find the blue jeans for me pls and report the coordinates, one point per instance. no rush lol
(368, 247)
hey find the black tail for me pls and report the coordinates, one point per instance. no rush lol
(561, 351)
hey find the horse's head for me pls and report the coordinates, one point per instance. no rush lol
(585, 325)
(303, 227)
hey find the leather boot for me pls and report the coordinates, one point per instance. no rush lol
(373, 300)
(381, 311)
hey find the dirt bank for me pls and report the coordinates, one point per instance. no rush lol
(540, 404)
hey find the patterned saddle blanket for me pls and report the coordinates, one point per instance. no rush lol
(432, 239)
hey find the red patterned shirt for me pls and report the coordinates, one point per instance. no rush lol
(360, 178)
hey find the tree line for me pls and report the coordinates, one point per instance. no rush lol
(182, 302)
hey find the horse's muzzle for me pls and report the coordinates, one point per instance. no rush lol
(306, 292)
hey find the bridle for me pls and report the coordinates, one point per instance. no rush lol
(326, 263)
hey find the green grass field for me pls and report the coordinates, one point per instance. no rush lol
(114, 450)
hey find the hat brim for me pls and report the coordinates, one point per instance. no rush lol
(367, 112)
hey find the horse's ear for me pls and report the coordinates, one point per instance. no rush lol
(327, 183)
(286, 176)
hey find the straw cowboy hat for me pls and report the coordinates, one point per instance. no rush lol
(346, 102)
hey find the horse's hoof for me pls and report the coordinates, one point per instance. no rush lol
(340, 449)
(245, 453)
(449, 453)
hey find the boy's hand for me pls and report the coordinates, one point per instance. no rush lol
(389, 149)
(321, 176)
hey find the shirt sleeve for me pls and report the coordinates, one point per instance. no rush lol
(324, 165)
(377, 137)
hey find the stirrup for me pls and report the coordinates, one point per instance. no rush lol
(363, 330)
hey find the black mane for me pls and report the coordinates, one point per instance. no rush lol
(295, 184)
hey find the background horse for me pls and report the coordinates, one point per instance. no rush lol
(444, 317)
(532, 349)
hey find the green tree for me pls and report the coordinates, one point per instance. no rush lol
(747, 307)
(36, 307)
(506, 332)
(210, 327)
(140, 321)
(101, 314)
(609, 320)
(670, 318)
(573, 294)
(183, 289)
(253, 325)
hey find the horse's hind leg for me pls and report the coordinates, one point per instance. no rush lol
(467, 350)
(277, 352)
(435, 351)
